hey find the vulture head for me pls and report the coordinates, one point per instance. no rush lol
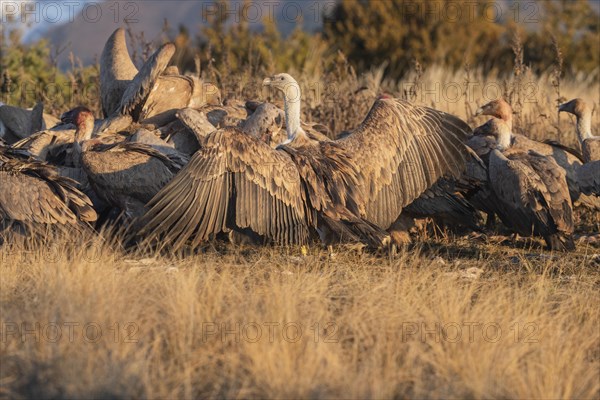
(83, 119)
(285, 84)
(576, 107)
(498, 108)
(291, 100)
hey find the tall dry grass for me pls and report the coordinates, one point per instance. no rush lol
(240, 323)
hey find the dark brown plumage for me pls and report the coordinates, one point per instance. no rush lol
(34, 195)
(532, 193)
(588, 176)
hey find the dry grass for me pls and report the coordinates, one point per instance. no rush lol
(460, 320)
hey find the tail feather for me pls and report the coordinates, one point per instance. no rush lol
(354, 229)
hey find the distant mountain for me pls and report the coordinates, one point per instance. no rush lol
(93, 22)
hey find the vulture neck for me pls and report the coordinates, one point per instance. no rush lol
(291, 102)
(584, 126)
(504, 138)
(506, 116)
(83, 133)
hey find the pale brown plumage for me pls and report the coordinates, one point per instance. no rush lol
(532, 193)
(588, 175)
(409, 149)
(124, 174)
(197, 124)
(153, 94)
(231, 113)
(137, 92)
(590, 144)
(45, 145)
(34, 195)
(305, 185)
(265, 122)
(566, 158)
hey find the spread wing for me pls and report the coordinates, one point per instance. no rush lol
(116, 71)
(402, 150)
(234, 181)
(142, 85)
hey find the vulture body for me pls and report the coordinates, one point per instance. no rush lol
(444, 203)
(566, 158)
(57, 147)
(154, 93)
(588, 176)
(532, 193)
(338, 189)
(124, 174)
(33, 195)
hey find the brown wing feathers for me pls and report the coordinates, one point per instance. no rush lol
(34, 193)
(235, 181)
(409, 149)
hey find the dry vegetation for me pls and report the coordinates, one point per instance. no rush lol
(440, 321)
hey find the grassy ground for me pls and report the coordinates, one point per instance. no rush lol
(451, 318)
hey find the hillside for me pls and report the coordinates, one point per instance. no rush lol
(86, 34)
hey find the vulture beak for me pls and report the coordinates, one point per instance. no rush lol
(479, 111)
(64, 117)
(563, 107)
(267, 82)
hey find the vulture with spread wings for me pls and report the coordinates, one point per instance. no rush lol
(350, 189)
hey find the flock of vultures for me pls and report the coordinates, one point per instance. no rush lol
(176, 167)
